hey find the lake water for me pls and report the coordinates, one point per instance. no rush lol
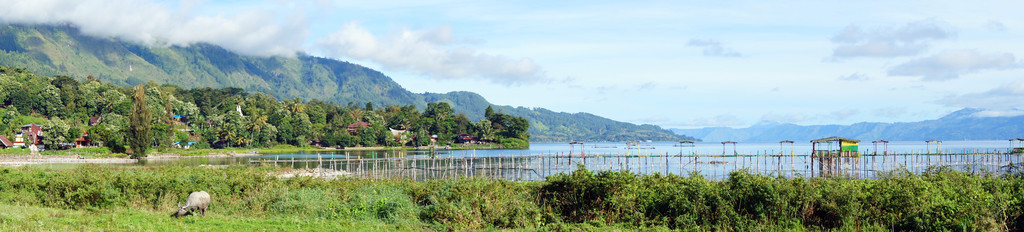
(712, 160)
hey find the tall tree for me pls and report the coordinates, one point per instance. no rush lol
(139, 124)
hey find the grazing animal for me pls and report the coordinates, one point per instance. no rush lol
(196, 201)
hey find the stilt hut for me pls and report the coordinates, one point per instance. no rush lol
(1017, 146)
(937, 144)
(686, 143)
(782, 149)
(835, 146)
(885, 146)
(572, 146)
(734, 152)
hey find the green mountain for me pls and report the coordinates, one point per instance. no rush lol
(62, 50)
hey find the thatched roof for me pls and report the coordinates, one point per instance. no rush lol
(835, 138)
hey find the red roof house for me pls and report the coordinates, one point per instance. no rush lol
(354, 127)
(4, 143)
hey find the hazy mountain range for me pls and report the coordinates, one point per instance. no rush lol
(965, 124)
(63, 50)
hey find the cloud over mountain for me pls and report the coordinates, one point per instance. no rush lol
(953, 63)
(434, 53)
(1003, 100)
(253, 32)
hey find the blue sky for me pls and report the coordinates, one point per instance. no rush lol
(677, 64)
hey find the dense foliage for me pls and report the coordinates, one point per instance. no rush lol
(939, 199)
(165, 115)
(56, 50)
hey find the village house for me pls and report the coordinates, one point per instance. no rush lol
(465, 138)
(4, 143)
(31, 134)
(356, 126)
(95, 120)
(84, 141)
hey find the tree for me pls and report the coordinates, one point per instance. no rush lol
(111, 131)
(484, 130)
(139, 124)
(489, 113)
(56, 133)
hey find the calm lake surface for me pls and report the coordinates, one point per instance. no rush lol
(710, 159)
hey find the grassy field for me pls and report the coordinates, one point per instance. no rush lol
(133, 198)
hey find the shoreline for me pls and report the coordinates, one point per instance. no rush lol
(22, 160)
(16, 160)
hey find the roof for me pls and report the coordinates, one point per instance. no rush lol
(729, 142)
(396, 132)
(358, 124)
(880, 141)
(1017, 139)
(933, 141)
(7, 143)
(786, 141)
(835, 138)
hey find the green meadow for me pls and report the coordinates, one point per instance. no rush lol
(142, 198)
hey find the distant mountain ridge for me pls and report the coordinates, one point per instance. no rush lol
(62, 50)
(964, 124)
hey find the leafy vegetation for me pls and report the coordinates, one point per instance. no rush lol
(61, 50)
(166, 115)
(138, 197)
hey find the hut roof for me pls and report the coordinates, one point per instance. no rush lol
(728, 142)
(7, 143)
(835, 138)
(1017, 139)
(933, 141)
(786, 141)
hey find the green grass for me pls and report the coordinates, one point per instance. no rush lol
(132, 198)
(34, 218)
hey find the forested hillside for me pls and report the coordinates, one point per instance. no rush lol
(62, 50)
(164, 115)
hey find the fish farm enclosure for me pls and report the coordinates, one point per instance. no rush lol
(710, 160)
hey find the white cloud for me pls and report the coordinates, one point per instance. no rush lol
(1005, 98)
(253, 32)
(855, 77)
(891, 112)
(713, 48)
(843, 114)
(995, 26)
(433, 53)
(725, 120)
(784, 118)
(910, 39)
(999, 113)
(951, 64)
(655, 119)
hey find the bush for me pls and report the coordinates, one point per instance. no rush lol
(480, 203)
(939, 199)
